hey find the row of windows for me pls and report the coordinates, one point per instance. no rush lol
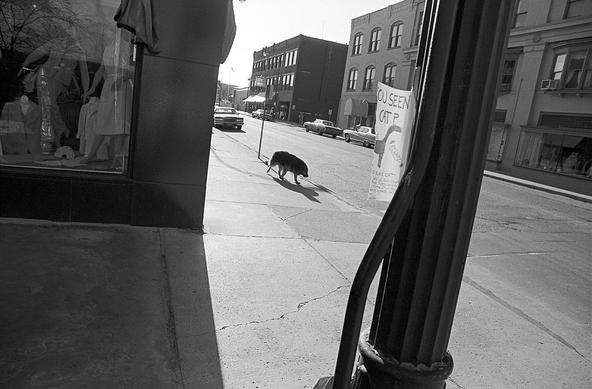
(284, 59)
(284, 80)
(388, 77)
(395, 39)
(573, 8)
(571, 70)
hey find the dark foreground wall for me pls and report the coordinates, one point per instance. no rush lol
(166, 182)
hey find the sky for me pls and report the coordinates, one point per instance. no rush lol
(261, 23)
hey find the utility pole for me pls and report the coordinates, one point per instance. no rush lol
(423, 239)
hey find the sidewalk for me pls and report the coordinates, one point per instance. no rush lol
(537, 186)
(257, 301)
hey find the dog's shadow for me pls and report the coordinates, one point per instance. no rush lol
(309, 193)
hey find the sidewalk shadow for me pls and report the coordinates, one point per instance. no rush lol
(223, 162)
(86, 306)
(306, 192)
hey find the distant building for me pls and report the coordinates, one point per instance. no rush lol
(542, 127)
(382, 47)
(239, 95)
(224, 94)
(304, 76)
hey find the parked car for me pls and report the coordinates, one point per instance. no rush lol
(258, 114)
(363, 134)
(321, 127)
(225, 117)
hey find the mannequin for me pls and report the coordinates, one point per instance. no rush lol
(114, 106)
(53, 76)
(24, 123)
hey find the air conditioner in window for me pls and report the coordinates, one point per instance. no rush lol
(549, 84)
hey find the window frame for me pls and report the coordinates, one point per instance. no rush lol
(396, 40)
(568, 7)
(567, 51)
(375, 36)
(521, 11)
(352, 81)
(369, 81)
(357, 44)
(392, 68)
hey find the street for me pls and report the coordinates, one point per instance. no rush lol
(528, 263)
(341, 167)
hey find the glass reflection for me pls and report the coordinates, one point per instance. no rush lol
(67, 74)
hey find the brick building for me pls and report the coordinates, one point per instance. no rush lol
(304, 76)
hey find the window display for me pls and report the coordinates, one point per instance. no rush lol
(556, 153)
(67, 85)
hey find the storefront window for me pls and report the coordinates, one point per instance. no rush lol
(67, 84)
(556, 153)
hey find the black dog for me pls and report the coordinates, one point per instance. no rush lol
(288, 163)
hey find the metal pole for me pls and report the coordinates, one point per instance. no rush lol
(424, 235)
(262, 122)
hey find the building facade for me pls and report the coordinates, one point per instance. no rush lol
(542, 128)
(99, 125)
(382, 47)
(239, 95)
(302, 76)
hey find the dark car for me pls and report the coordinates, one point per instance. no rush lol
(225, 117)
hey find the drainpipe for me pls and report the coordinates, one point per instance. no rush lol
(423, 239)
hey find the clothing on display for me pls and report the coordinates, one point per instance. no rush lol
(87, 123)
(115, 103)
(20, 124)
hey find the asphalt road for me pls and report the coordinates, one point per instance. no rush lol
(340, 167)
(530, 253)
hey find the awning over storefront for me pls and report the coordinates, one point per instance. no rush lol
(355, 107)
(255, 99)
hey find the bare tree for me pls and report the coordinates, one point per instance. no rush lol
(24, 26)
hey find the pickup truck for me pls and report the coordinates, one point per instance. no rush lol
(321, 127)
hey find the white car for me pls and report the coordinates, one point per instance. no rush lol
(227, 117)
(321, 127)
(365, 135)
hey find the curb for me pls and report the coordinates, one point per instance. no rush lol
(541, 187)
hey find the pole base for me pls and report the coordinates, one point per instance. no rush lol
(379, 373)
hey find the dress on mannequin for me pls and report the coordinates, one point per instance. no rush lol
(114, 106)
(87, 123)
(53, 77)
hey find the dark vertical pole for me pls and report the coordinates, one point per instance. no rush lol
(429, 221)
(262, 122)
(424, 271)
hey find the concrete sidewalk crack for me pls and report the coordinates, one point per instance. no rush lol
(522, 314)
(283, 315)
(296, 214)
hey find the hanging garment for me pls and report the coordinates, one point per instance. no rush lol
(115, 104)
(138, 17)
(20, 131)
(87, 123)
